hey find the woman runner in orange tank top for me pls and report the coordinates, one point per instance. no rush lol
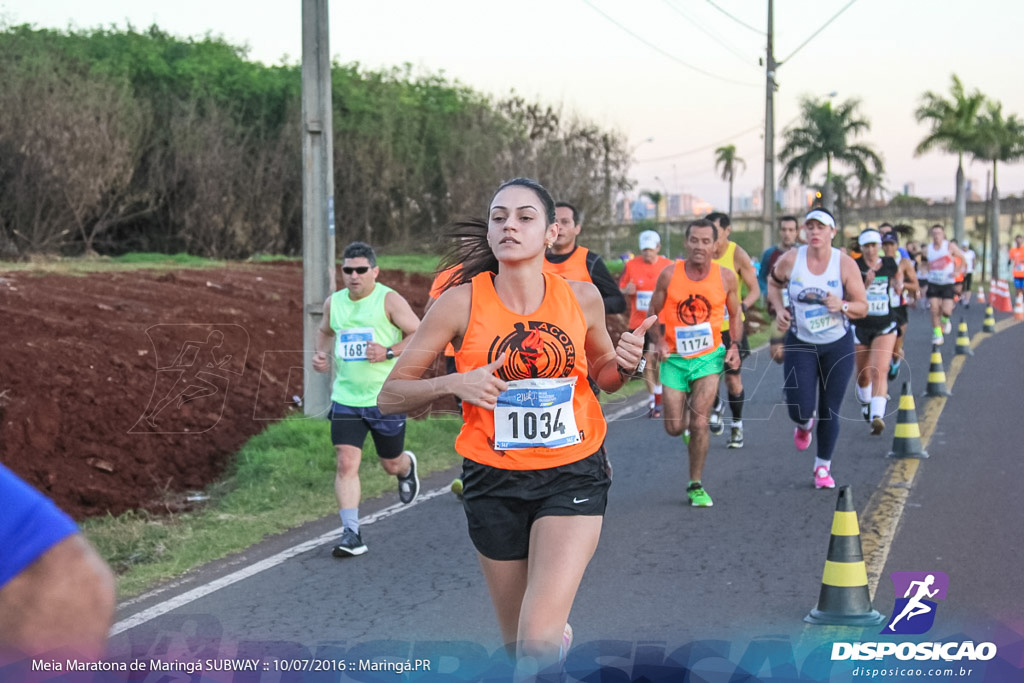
(534, 479)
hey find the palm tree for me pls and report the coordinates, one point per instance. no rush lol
(870, 189)
(655, 198)
(727, 161)
(997, 139)
(822, 135)
(954, 124)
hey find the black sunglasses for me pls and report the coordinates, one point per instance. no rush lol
(348, 270)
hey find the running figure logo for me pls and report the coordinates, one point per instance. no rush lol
(914, 613)
(534, 349)
(206, 357)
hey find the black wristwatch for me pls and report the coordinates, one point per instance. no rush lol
(390, 355)
(636, 371)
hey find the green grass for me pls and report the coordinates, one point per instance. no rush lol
(107, 264)
(280, 479)
(412, 263)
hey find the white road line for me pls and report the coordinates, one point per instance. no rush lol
(257, 567)
(187, 597)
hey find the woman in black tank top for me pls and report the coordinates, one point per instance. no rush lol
(875, 334)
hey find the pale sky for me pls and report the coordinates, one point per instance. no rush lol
(568, 54)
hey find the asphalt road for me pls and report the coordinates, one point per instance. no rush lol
(722, 590)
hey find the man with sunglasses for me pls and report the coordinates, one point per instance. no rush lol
(366, 325)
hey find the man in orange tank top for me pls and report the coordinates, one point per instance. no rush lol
(574, 262)
(691, 299)
(1016, 262)
(637, 282)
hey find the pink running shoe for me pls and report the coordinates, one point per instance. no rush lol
(822, 479)
(802, 437)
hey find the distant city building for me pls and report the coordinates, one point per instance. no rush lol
(908, 189)
(973, 191)
(672, 207)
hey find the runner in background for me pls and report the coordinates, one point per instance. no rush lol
(638, 280)
(534, 473)
(875, 334)
(365, 327)
(574, 262)
(789, 230)
(905, 290)
(56, 594)
(691, 300)
(970, 258)
(1016, 263)
(825, 291)
(732, 256)
(942, 272)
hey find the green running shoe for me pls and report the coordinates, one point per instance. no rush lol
(699, 498)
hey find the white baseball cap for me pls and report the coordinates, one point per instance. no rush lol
(649, 239)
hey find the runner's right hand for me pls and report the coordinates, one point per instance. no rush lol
(320, 363)
(480, 386)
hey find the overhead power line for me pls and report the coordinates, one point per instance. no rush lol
(721, 42)
(811, 37)
(702, 148)
(667, 54)
(741, 23)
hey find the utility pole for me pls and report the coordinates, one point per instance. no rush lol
(769, 140)
(318, 271)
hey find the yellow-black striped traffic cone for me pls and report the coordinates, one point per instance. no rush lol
(936, 375)
(990, 320)
(845, 599)
(963, 340)
(907, 441)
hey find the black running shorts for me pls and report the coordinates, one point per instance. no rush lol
(501, 505)
(866, 335)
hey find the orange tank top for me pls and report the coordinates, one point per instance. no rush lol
(572, 268)
(693, 312)
(1017, 257)
(645, 276)
(548, 345)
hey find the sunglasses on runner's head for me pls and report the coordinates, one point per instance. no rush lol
(348, 270)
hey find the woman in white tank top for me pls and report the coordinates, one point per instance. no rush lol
(825, 290)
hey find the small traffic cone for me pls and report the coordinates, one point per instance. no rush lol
(936, 375)
(845, 599)
(1018, 308)
(963, 341)
(907, 441)
(989, 325)
(981, 294)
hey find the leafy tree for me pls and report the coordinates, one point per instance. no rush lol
(824, 134)
(997, 138)
(726, 162)
(954, 123)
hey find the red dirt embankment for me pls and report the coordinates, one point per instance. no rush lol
(124, 390)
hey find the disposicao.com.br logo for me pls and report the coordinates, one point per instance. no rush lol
(914, 613)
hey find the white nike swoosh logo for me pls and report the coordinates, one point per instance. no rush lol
(578, 500)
